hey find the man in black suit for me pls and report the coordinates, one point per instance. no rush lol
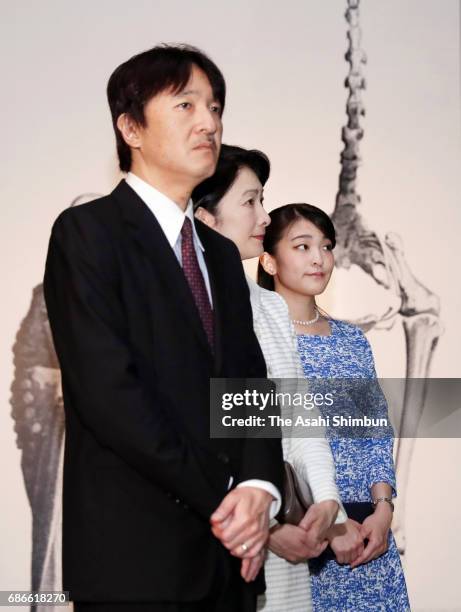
(145, 305)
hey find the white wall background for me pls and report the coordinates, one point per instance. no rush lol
(284, 67)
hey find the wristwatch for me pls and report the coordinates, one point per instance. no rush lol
(388, 500)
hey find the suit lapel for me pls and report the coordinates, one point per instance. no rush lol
(146, 231)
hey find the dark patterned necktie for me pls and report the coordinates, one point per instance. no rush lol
(195, 278)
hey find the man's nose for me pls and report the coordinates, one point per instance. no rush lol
(208, 120)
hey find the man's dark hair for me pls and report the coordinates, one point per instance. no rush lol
(231, 159)
(136, 81)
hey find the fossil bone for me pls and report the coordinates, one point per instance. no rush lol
(384, 262)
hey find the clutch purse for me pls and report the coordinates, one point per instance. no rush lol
(297, 496)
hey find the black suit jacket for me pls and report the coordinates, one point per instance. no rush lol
(141, 474)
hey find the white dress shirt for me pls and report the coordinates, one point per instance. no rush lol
(171, 219)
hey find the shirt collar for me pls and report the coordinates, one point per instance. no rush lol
(168, 214)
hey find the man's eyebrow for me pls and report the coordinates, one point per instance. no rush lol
(192, 92)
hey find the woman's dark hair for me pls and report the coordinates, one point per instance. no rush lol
(231, 159)
(136, 81)
(281, 220)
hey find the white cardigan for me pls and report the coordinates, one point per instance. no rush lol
(288, 585)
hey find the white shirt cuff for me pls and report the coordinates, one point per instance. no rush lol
(270, 488)
(341, 517)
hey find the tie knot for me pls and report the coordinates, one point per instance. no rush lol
(186, 230)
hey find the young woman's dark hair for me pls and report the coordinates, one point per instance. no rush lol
(281, 219)
(136, 81)
(231, 159)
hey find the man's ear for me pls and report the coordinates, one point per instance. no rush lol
(129, 130)
(206, 217)
(268, 263)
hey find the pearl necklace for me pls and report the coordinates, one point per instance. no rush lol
(310, 322)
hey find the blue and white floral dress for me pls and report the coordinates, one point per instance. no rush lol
(360, 462)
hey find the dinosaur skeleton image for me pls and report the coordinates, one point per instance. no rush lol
(38, 414)
(37, 410)
(383, 259)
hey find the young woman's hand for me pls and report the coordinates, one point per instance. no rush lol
(293, 544)
(375, 529)
(346, 540)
